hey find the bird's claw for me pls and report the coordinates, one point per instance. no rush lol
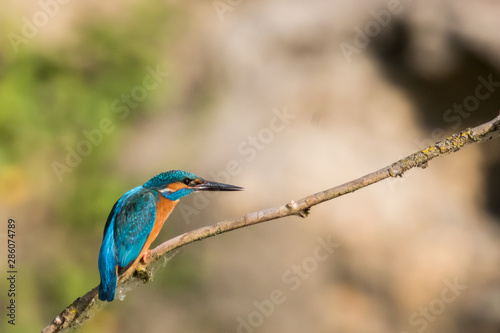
(144, 256)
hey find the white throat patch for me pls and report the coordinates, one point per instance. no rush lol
(166, 191)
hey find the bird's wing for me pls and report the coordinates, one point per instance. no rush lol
(134, 219)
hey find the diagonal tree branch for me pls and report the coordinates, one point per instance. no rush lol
(81, 308)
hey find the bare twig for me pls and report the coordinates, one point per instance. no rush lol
(80, 309)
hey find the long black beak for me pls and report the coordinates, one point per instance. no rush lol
(214, 186)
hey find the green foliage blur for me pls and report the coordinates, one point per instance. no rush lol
(49, 95)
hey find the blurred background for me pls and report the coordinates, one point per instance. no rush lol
(284, 98)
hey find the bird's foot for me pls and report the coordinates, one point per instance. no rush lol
(144, 256)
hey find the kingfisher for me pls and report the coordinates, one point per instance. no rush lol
(136, 219)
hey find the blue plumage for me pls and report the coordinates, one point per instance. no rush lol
(107, 264)
(169, 177)
(129, 225)
(132, 219)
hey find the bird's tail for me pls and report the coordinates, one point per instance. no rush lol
(107, 267)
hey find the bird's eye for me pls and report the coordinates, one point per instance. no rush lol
(187, 181)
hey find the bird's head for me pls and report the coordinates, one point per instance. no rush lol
(176, 184)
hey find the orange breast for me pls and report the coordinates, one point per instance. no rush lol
(163, 209)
